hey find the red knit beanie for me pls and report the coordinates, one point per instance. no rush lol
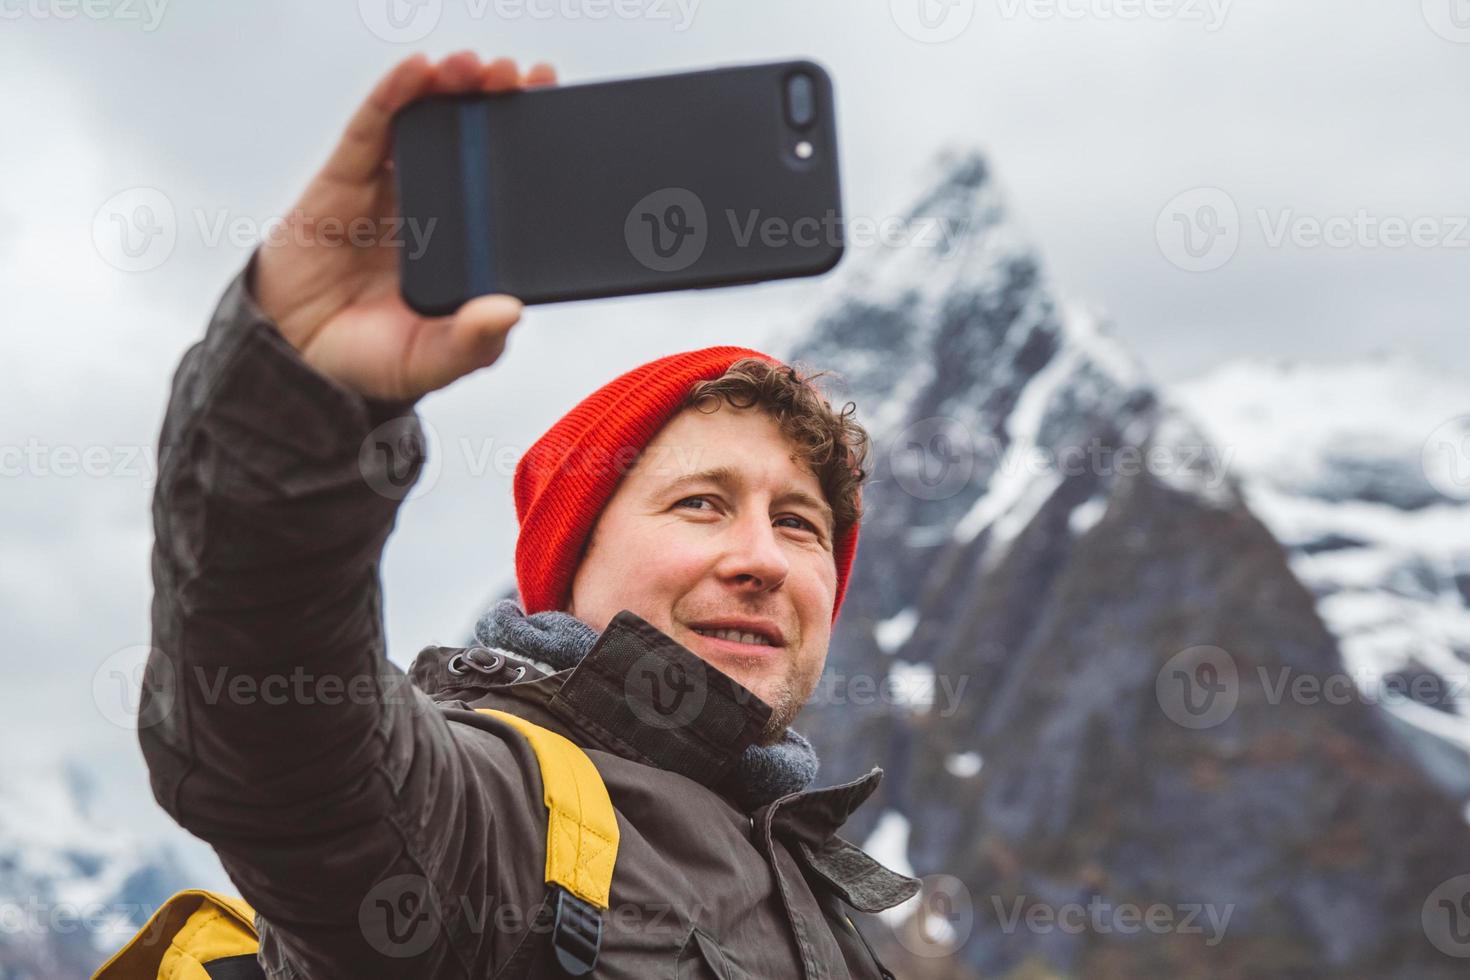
(566, 478)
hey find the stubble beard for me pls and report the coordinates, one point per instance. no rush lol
(786, 699)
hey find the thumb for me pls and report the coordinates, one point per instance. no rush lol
(473, 338)
(480, 326)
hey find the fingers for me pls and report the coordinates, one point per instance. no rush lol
(460, 72)
(541, 73)
(473, 338)
(499, 309)
(501, 75)
(480, 327)
(360, 153)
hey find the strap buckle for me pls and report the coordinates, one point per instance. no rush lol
(576, 933)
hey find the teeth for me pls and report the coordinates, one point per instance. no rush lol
(735, 635)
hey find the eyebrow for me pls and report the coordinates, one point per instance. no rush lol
(728, 476)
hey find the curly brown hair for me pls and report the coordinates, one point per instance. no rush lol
(832, 443)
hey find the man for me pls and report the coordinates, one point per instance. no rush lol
(686, 535)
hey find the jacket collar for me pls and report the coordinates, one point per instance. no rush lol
(659, 703)
(809, 820)
(642, 695)
(637, 692)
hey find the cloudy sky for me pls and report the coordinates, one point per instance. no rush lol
(1222, 179)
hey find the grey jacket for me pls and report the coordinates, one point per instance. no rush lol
(379, 826)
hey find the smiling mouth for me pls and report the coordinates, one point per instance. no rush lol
(734, 641)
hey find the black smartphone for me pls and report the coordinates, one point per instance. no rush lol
(696, 179)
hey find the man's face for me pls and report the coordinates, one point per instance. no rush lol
(717, 522)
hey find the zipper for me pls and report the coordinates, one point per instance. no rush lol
(882, 970)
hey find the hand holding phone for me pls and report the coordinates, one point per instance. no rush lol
(329, 276)
(703, 178)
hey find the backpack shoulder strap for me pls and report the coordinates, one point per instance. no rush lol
(203, 935)
(195, 935)
(581, 841)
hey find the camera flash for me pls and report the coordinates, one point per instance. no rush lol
(803, 150)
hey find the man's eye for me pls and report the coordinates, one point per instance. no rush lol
(808, 525)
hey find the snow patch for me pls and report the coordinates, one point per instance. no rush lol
(912, 685)
(1330, 457)
(1090, 332)
(1084, 516)
(894, 632)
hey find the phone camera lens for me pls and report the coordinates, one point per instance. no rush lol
(801, 101)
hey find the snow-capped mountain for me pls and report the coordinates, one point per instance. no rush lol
(74, 886)
(1052, 554)
(1360, 469)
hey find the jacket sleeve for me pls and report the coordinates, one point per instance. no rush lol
(343, 804)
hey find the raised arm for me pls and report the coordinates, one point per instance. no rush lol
(273, 725)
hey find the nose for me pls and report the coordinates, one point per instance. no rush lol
(753, 560)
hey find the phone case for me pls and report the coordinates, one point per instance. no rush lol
(612, 188)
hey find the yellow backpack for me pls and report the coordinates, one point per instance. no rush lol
(202, 935)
